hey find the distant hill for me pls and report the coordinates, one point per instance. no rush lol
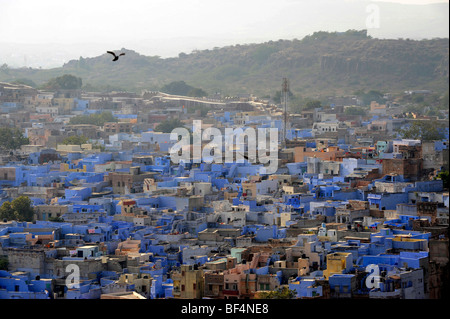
(319, 63)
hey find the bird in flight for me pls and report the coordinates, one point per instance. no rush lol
(116, 57)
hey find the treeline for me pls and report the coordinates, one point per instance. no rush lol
(98, 119)
(12, 138)
(19, 209)
(64, 82)
(331, 63)
(181, 88)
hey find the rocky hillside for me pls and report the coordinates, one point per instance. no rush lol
(322, 62)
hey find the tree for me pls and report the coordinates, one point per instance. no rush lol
(181, 88)
(426, 130)
(56, 219)
(94, 119)
(177, 88)
(196, 92)
(12, 138)
(19, 209)
(64, 82)
(370, 96)
(22, 208)
(355, 110)
(75, 140)
(262, 52)
(24, 81)
(4, 263)
(167, 126)
(203, 109)
(444, 177)
(280, 293)
(6, 211)
(312, 104)
(88, 87)
(277, 97)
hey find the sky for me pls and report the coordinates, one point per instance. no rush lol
(167, 27)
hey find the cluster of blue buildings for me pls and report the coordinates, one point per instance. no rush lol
(338, 219)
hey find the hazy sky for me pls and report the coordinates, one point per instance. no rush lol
(31, 21)
(167, 27)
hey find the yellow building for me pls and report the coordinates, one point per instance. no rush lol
(142, 282)
(188, 283)
(336, 263)
(64, 105)
(407, 243)
(64, 167)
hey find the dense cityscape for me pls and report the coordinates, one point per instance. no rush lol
(93, 205)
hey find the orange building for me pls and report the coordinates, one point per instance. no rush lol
(330, 153)
(128, 246)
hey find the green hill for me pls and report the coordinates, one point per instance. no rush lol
(320, 63)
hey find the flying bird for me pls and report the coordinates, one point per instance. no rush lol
(116, 57)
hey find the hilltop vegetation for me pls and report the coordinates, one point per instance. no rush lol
(329, 63)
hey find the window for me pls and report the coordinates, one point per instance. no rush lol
(194, 286)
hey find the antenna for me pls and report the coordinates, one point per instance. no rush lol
(285, 91)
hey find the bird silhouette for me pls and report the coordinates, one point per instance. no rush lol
(116, 57)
